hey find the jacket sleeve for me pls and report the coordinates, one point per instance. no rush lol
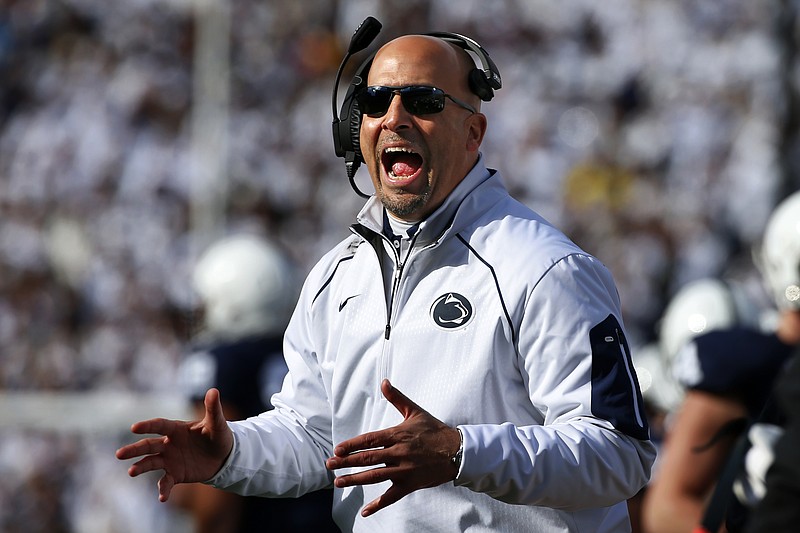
(282, 452)
(593, 447)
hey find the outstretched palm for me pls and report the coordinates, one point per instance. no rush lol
(414, 455)
(186, 451)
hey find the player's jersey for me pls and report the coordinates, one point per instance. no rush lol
(739, 362)
(246, 371)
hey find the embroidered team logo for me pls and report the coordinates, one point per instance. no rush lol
(451, 311)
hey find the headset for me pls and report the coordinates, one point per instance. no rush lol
(483, 82)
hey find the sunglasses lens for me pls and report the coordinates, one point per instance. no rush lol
(374, 100)
(423, 100)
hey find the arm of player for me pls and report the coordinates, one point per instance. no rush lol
(416, 453)
(678, 495)
(186, 451)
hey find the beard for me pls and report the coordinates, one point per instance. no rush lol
(405, 205)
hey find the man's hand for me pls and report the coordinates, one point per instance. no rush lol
(187, 452)
(416, 453)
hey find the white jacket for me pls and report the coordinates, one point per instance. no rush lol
(497, 324)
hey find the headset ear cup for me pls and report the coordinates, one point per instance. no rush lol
(482, 81)
(479, 85)
(355, 130)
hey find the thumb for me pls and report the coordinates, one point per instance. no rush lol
(400, 401)
(213, 404)
(216, 430)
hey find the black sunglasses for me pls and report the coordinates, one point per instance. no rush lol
(417, 99)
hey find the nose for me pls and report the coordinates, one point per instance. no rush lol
(396, 116)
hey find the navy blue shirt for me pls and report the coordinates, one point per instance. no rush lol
(738, 362)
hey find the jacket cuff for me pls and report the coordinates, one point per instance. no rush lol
(467, 456)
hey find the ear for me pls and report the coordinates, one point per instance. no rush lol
(476, 124)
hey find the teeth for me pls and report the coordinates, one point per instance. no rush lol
(393, 149)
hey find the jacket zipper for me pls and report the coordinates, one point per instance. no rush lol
(398, 273)
(395, 286)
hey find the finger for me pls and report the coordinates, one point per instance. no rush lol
(165, 485)
(142, 447)
(156, 426)
(359, 459)
(366, 477)
(400, 401)
(148, 464)
(368, 441)
(392, 495)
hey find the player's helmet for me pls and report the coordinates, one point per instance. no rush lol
(779, 260)
(655, 380)
(699, 307)
(247, 287)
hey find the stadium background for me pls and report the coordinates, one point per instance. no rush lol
(659, 134)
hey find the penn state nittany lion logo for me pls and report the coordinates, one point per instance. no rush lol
(451, 311)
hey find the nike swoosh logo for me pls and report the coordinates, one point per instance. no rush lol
(341, 305)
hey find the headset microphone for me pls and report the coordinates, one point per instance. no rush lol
(342, 134)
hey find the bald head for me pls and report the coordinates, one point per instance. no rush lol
(429, 61)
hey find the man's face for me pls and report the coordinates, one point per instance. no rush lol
(416, 161)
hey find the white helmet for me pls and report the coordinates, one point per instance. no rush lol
(655, 381)
(699, 307)
(247, 286)
(779, 260)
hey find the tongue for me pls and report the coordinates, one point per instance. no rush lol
(405, 165)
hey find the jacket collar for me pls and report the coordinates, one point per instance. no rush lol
(371, 215)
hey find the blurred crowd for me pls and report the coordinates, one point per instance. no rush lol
(658, 134)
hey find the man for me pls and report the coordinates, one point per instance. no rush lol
(729, 375)
(520, 409)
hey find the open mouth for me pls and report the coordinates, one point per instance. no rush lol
(402, 165)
